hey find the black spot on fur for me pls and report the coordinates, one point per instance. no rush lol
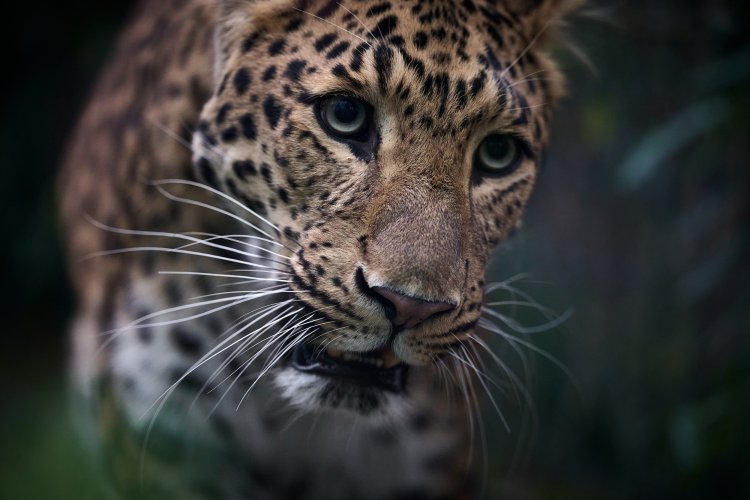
(383, 63)
(221, 116)
(248, 126)
(477, 84)
(328, 9)
(340, 71)
(324, 41)
(265, 171)
(294, 69)
(461, 94)
(244, 169)
(272, 109)
(376, 10)
(492, 59)
(206, 173)
(420, 39)
(357, 58)
(385, 27)
(397, 40)
(337, 50)
(242, 80)
(269, 73)
(276, 47)
(229, 134)
(294, 24)
(250, 42)
(186, 341)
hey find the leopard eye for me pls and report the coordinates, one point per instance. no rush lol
(498, 154)
(344, 116)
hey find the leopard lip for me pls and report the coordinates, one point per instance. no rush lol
(379, 369)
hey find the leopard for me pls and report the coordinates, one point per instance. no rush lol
(278, 216)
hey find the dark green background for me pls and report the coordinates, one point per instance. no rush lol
(640, 225)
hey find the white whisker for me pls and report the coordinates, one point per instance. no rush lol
(332, 24)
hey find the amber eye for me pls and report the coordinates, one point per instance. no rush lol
(498, 154)
(344, 116)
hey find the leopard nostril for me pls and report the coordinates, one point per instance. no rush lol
(410, 311)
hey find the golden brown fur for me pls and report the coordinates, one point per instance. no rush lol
(225, 92)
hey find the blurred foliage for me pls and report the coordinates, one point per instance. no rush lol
(640, 225)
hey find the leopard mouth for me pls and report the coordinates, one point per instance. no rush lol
(379, 369)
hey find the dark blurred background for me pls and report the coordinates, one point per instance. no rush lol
(640, 226)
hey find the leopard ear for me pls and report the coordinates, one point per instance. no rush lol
(235, 10)
(542, 17)
(238, 19)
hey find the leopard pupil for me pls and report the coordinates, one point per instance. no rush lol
(498, 148)
(345, 111)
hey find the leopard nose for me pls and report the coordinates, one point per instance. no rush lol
(408, 312)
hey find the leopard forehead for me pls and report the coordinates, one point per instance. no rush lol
(440, 76)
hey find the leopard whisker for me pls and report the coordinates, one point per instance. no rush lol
(448, 379)
(136, 324)
(226, 197)
(491, 287)
(184, 142)
(513, 340)
(238, 372)
(532, 106)
(250, 280)
(482, 377)
(467, 364)
(302, 337)
(113, 334)
(517, 327)
(322, 347)
(237, 300)
(528, 47)
(236, 293)
(462, 377)
(243, 318)
(215, 351)
(308, 319)
(527, 80)
(208, 206)
(488, 325)
(219, 275)
(235, 239)
(359, 21)
(184, 236)
(106, 253)
(256, 257)
(332, 24)
(514, 382)
(159, 403)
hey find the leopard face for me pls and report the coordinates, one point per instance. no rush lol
(392, 145)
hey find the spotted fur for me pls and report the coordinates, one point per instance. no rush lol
(222, 96)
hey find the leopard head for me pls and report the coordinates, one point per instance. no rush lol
(392, 146)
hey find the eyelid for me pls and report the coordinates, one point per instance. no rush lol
(526, 148)
(314, 97)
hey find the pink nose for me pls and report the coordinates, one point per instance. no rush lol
(410, 311)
